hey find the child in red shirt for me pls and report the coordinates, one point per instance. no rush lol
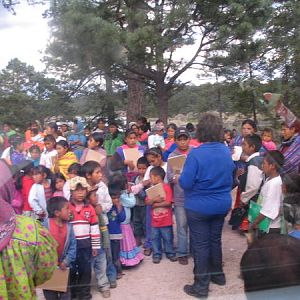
(87, 233)
(161, 218)
(62, 232)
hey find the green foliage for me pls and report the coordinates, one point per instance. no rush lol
(27, 95)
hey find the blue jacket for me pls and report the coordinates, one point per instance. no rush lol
(207, 179)
(69, 253)
(115, 219)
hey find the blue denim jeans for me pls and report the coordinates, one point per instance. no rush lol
(205, 234)
(148, 242)
(99, 264)
(182, 231)
(166, 234)
(111, 271)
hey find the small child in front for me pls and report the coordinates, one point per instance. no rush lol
(161, 218)
(271, 193)
(62, 232)
(87, 233)
(116, 216)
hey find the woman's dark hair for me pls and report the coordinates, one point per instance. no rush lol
(53, 125)
(172, 125)
(144, 127)
(118, 181)
(34, 147)
(75, 168)
(190, 127)
(115, 134)
(50, 138)
(89, 167)
(54, 178)
(98, 138)
(64, 144)
(145, 122)
(16, 140)
(155, 151)
(42, 170)
(209, 128)
(55, 204)
(251, 123)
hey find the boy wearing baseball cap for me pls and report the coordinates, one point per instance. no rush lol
(87, 234)
(182, 139)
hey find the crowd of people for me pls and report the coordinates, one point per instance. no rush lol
(96, 212)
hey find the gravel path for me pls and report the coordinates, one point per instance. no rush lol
(149, 281)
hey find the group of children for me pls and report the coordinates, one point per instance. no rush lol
(99, 212)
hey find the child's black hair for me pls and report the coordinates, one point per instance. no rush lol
(75, 168)
(268, 130)
(276, 158)
(50, 138)
(98, 138)
(142, 161)
(34, 147)
(26, 170)
(53, 125)
(54, 178)
(114, 191)
(89, 167)
(128, 132)
(155, 151)
(228, 131)
(55, 204)
(42, 170)
(118, 181)
(254, 140)
(158, 171)
(190, 127)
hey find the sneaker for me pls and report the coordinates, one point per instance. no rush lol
(172, 258)
(113, 284)
(218, 279)
(189, 289)
(183, 260)
(105, 294)
(147, 251)
(156, 260)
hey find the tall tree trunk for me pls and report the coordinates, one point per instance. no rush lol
(162, 101)
(136, 94)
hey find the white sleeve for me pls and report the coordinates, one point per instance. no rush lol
(147, 173)
(33, 200)
(271, 200)
(253, 183)
(104, 198)
(66, 190)
(151, 141)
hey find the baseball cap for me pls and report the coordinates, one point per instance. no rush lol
(181, 131)
(78, 180)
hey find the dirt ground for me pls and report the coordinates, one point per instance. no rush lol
(150, 281)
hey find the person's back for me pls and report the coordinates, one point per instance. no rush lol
(213, 168)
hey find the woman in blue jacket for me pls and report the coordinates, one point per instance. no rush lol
(207, 180)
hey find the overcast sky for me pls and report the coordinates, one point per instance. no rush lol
(25, 35)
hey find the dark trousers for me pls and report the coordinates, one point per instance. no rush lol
(139, 221)
(53, 295)
(205, 236)
(81, 273)
(115, 253)
(164, 234)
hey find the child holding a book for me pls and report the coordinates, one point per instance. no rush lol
(161, 216)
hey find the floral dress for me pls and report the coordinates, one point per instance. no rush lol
(27, 261)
